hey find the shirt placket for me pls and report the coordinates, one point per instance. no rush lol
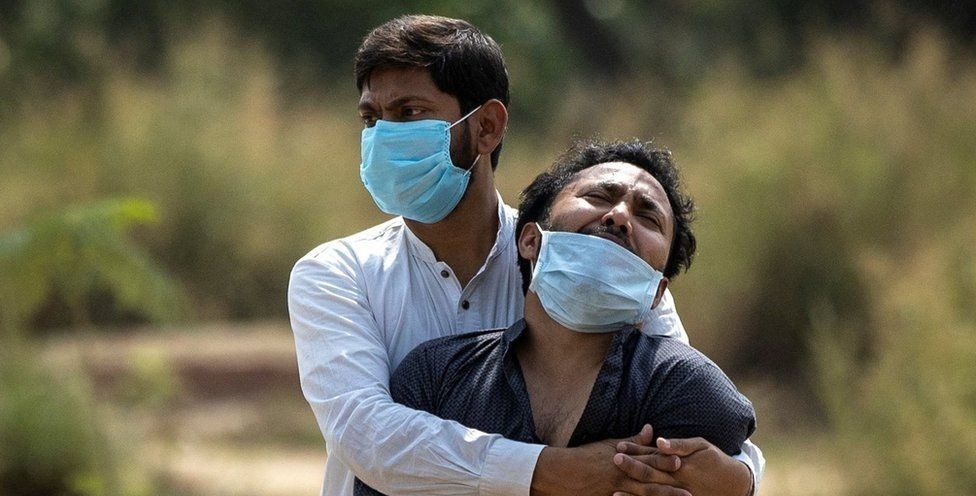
(452, 290)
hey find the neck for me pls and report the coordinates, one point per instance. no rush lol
(555, 351)
(560, 367)
(464, 238)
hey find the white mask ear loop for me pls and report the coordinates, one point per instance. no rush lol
(471, 167)
(464, 118)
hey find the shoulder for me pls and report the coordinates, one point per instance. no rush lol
(421, 378)
(674, 365)
(370, 246)
(508, 212)
(692, 397)
(448, 352)
(344, 267)
(375, 241)
(667, 351)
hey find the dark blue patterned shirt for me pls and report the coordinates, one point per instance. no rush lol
(476, 379)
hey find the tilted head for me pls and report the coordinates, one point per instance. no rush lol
(462, 61)
(624, 191)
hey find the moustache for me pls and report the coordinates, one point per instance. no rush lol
(613, 233)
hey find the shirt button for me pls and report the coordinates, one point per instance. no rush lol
(445, 274)
(465, 304)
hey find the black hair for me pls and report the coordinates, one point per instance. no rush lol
(536, 199)
(462, 61)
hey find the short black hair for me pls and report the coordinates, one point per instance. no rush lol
(462, 61)
(536, 199)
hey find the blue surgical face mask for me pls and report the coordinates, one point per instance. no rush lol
(407, 168)
(590, 284)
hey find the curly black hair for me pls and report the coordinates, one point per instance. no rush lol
(536, 199)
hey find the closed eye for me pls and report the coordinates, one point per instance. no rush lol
(651, 217)
(597, 195)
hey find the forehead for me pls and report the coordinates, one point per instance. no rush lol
(622, 176)
(388, 83)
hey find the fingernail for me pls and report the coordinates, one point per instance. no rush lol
(618, 459)
(665, 443)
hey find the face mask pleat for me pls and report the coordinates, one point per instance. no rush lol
(590, 284)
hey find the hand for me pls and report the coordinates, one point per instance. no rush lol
(704, 470)
(590, 469)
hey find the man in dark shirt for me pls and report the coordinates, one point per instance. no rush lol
(599, 237)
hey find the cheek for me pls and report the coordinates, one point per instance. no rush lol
(573, 215)
(655, 247)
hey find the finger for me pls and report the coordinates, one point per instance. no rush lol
(644, 438)
(660, 461)
(642, 472)
(681, 447)
(632, 449)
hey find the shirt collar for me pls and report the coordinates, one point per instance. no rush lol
(517, 330)
(514, 332)
(504, 238)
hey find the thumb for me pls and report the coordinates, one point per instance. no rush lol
(643, 438)
(681, 447)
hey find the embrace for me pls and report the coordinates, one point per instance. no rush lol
(464, 347)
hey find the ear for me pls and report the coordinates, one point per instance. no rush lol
(492, 123)
(661, 287)
(529, 241)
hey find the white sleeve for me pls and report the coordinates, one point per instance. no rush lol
(345, 372)
(752, 456)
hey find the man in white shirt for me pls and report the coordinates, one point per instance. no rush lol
(433, 99)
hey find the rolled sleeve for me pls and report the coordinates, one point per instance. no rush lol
(509, 467)
(753, 458)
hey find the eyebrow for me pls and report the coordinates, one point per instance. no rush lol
(399, 102)
(645, 200)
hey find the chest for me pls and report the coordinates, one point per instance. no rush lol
(495, 398)
(558, 407)
(414, 301)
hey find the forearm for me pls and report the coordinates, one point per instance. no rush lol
(414, 453)
(591, 470)
(343, 365)
(558, 472)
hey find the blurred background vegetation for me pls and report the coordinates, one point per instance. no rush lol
(163, 164)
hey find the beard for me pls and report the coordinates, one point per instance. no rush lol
(462, 155)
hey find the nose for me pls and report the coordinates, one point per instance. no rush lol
(618, 216)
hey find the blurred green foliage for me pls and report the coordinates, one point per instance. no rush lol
(72, 255)
(52, 439)
(906, 414)
(47, 45)
(829, 146)
(806, 182)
